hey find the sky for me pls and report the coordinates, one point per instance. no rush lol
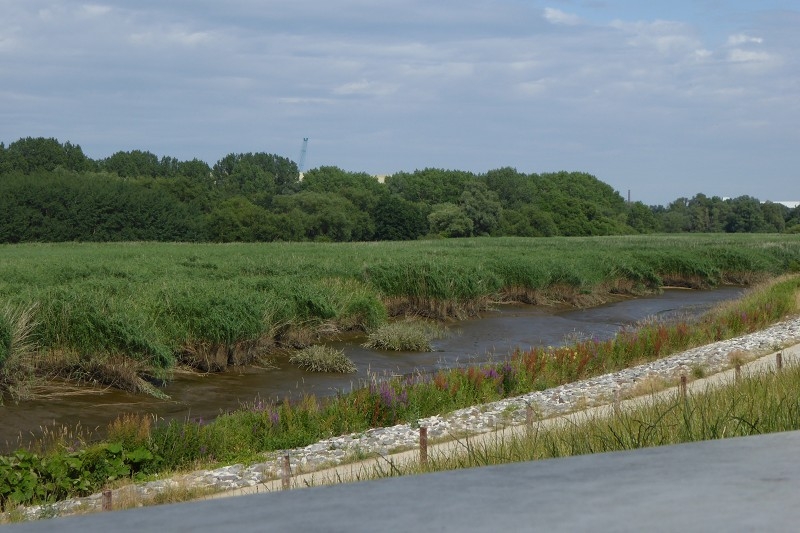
(663, 99)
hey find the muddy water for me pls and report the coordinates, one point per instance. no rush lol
(493, 335)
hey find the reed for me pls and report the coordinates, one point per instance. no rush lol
(212, 306)
(321, 358)
(406, 335)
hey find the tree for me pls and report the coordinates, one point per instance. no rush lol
(133, 164)
(326, 216)
(449, 220)
(513, 188)
(482, 206)
(430, 186)
(397, 219)
(255, 173)
(527, 221)
(641, 218)
(31, 154)
(775, 216)
(745, 216)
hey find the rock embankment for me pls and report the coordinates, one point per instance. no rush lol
(549, 403)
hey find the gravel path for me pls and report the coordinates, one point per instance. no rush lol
(553, 402)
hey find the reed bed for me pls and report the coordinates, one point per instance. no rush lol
(211, 306)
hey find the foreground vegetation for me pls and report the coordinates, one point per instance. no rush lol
(135, 448)
(757, 404)
(124, 315)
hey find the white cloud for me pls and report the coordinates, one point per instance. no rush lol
(740, 39)
(666, 37)
(171, 35)
(753, 62)
(95, 10)
(505, 82)
(556, 16)
(364, 87)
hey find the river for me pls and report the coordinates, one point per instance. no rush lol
(492, 335)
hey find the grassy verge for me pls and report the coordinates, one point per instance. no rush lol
(765, 402)
(211, 306)
(135, 447)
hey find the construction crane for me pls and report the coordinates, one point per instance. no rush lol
(301, 162)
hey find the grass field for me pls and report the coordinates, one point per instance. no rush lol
(114, 313)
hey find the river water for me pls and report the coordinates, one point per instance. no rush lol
(491, 336)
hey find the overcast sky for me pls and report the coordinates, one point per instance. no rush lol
(666, 98)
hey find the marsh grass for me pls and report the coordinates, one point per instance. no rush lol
(214, 306)
(17, 351)
(410, 335)
(321, 358)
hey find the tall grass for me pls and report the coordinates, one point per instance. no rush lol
(211, 306)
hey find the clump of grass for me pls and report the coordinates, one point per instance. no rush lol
(17, 349)
(130, 429)
(320, 358)
(404, 336)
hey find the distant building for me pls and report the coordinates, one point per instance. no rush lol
(790, 205)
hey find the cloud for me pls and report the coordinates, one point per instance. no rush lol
(364, 87)
(556, 16)
(458, 83)
(740, 39)
(666, 37)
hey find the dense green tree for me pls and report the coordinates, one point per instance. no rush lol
(482, 206)
(775, 216)
(449, 220)
(430, 186)
(513, 188)
(363, 190)
(132, 164)
(237, 219)
(36, 154)
(397, 219)
(325, 216)
(257, 175)
(195, 170)
(745, 216)
(527, 221)
(63, 206)
(641, 218)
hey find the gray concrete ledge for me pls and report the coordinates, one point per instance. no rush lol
(742, 484)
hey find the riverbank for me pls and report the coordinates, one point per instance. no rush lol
(126, 314)
(318, 462)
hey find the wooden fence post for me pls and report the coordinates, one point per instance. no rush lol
(107, 502)
(779, 361)
(423, 445)
(683, 386)
(529, 420)
(286, 473)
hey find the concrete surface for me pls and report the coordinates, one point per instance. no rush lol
(743, 484)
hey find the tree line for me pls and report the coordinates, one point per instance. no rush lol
(51, 191)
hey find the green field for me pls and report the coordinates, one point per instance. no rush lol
(134, 309)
